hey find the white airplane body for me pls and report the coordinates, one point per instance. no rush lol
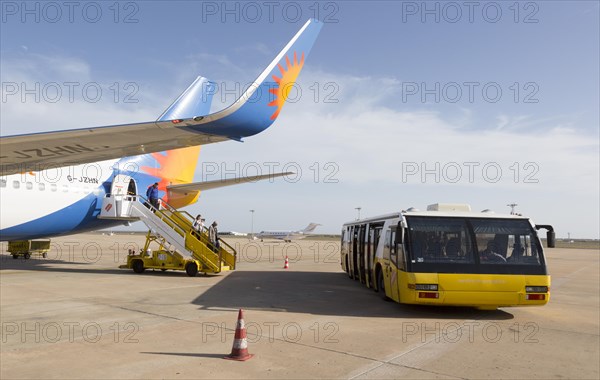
(54, 183)
(287, 236)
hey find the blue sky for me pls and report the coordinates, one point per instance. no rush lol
(403, 103)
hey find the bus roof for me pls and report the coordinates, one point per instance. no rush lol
(465, 214)
(415, 212)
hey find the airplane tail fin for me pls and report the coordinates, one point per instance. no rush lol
(259, 106)
(310, 228)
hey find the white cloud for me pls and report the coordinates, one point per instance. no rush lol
(370, 142)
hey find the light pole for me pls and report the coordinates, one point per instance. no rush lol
(252, 225)
(512, 208)
(358, 209)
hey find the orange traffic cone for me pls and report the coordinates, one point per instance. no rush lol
(239, 351)
(287, 263)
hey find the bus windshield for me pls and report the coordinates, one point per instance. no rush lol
(480, 245)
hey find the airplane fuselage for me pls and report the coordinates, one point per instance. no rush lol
(281, 235)
(59, 201)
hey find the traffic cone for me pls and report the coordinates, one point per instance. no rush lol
(239, 351)
(287, 263)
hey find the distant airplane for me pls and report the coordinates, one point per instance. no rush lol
(233, 233)
(54, 183)
(287, 236)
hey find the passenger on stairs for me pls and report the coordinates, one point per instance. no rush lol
(213, 236)
(198, 224)
(152, 195)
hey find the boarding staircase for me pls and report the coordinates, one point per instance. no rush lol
(172, 230)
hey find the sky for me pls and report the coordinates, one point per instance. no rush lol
(400, 104)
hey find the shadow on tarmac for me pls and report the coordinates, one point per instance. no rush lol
(188, 354)
(322, 293)
(71, 266)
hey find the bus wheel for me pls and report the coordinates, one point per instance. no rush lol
(138, 266)
(381, 285)
(27, 255)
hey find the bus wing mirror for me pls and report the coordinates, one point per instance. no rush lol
(550, 234)
(551, 239)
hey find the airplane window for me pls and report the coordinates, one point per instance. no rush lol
(42, 186)
(16, 184)
(53, 187)
(2, 183)
(29, 185)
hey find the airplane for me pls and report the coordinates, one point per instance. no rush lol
(54, 183)
(287, 236)
(233, 233)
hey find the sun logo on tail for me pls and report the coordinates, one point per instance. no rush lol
(172, 167)
(285, 83)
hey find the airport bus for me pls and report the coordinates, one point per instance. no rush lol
(449, 255)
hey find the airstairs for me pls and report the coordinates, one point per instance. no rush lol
(180, 246)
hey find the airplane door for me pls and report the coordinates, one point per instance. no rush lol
(120, 184)
(122, 191)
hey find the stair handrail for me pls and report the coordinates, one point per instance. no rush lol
(222, 244)
(186, 217)
(161, 213)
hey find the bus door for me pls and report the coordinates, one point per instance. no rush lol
(354, 253)
(369, 256)
(361, 252)
(344, 250)
(374, 235)
(394, 274)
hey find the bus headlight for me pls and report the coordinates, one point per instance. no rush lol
(536, 289)
(433, 287)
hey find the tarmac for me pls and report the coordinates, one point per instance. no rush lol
(74, 315)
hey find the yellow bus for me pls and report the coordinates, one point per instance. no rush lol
(449, 255)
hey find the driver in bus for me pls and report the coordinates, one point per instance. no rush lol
(490, 254)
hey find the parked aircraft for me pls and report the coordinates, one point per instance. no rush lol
(54, 183)
(287, 236)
